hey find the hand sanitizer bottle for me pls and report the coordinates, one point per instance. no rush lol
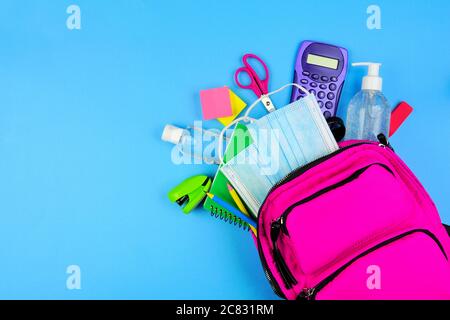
(194, 142)
(368, 113)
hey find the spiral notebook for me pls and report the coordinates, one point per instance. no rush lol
(239, 141)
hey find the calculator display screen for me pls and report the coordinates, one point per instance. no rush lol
(322, 61)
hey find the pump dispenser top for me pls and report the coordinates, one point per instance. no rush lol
(372, 81)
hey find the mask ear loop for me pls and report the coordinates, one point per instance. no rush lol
(248, 119)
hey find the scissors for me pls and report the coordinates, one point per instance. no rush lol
(258, 86)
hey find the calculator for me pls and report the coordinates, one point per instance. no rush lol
(321, 69)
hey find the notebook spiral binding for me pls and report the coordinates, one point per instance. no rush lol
(225, 216)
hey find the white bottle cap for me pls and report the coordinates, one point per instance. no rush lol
(172, 134)
(372, 81)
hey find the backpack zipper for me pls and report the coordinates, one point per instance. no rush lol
(311, 293)
(300, 170)
(383, 142)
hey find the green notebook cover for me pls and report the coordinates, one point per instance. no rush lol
(240, 140)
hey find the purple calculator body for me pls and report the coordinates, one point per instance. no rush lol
(321, 69)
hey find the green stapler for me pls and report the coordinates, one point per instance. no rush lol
(190, 192)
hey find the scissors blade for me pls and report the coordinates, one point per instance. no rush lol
(267, 102)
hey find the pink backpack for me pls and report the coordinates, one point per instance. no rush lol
(356, 224)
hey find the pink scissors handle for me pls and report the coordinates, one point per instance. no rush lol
(252, 85)
(256, 84)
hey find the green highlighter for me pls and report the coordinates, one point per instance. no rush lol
(190, 192)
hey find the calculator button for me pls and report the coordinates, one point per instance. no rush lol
(324, 78)
(312, 91)
(321, 95)
(315, 77)
(330, 96)
(334, 79)
(313, 84)
(329, 105)
(304, 81)
(320, 104)
(323, 86)
(332, 86)
(306, 73)
(327, 114)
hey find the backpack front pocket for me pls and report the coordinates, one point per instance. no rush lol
(302, 237)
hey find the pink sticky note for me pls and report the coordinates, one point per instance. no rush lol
(216, 103)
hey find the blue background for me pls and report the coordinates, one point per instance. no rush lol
(83, 173)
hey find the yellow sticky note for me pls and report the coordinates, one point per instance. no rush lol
(237, 105)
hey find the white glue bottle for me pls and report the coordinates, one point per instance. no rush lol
(368, 113)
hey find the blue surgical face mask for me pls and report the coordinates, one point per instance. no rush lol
(283, 141)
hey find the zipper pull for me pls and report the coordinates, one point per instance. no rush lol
(280, 264)
(384, 141)
(277, 226)
(275, 229)
(306, 294)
